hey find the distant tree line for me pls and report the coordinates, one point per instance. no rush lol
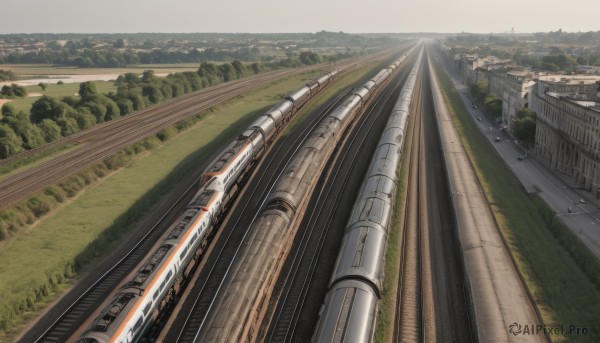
(557, 62)
(51, 118)
(87, 58)
(7, 75)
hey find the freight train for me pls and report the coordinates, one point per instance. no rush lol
(350, 308)
(242, 301)
(136, 305)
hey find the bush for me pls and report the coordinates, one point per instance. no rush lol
(167, 133)
(56, 192)
(39, 205)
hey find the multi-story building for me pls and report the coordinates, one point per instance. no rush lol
(473, 68)
(567, 135)
(512, 86)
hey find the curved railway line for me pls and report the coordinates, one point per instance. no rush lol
(296, 313)
(87, 302)
(233, 240)
(108, 138)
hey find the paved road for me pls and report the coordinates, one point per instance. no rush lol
(584, 220)
(498, 295)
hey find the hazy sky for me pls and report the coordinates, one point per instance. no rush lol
(111, 16)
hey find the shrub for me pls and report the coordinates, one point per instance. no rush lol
(167, 133)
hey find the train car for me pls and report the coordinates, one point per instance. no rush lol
(346, 306)
(380, 77)
(313, 85)
(363, 92)
(227, 167)
(357, 279)
(266, 125)
(247, 278)
(299, 97)
(361, 255)
(281, 112)
(290, 189)
(134, 307)
(324, 80)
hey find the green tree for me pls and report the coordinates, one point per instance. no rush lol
(228, 72)
(210, 72)
(479, 89)
(10, 142)
(524, 128)
(148, 76)
(84, 119)
(240, 69)
(493, 106)
(13, 91)
(256, 67)
(48, 108)
(29, 133)
(309, 58)
(87, 89)
(153, 93)
(8, 110)
(42, 86)
(50, 130)
(68, 126)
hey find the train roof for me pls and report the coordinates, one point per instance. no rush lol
(229, 154)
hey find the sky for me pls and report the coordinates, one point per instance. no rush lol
(353, 16)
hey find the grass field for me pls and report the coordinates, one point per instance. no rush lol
(56, 91)
(40, 70)
(562, 276)
(43, 254)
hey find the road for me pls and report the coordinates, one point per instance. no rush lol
(498, 295)
(584, 221)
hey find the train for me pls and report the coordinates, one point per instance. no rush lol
(242, 302)
(349, 311)
(137, 303)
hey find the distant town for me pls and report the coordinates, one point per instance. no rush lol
(544, 90)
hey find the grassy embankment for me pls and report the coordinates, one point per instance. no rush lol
(47, 255)
(561, 274)
(43, 71)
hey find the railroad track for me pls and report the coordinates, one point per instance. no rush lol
(409, 319)
(305, 255)
(110, 137)
(186, 326)
(68, 321)
(212, 283)
(431, 300)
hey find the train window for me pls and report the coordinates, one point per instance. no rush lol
(137, 325)
(155, 295)
(195, 237)
(147, 308)
(169, 275)
(183, 253)
(162, 285)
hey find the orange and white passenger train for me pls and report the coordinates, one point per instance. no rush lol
(136, 305)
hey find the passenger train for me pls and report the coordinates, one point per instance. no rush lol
(136, 305)
(253, 274)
